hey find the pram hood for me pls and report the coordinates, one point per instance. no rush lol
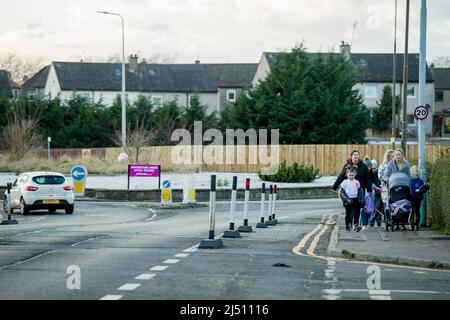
(399, 179)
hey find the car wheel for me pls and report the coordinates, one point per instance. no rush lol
(23, 208)
(69, 209)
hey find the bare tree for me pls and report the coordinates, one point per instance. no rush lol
(136, 139)
(442, 62)
(161, 58)
(19, 135)
(19, 67)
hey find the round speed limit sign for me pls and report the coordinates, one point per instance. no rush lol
(421, 113)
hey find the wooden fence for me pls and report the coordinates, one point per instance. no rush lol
(329, 159)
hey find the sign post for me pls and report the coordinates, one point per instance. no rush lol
(166, 193)
(79, 175)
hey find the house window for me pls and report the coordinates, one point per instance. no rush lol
(231, 95)
(370, 92)
(31, 94)
(411, 91)
(157, 101)
(439, 96)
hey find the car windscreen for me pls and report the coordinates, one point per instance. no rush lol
(49, 179)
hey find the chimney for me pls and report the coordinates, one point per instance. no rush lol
(25, 78)
(345, 50)
(197, 61)
(133, 63)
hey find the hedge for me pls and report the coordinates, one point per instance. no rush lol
(295, 173)
(440, 194)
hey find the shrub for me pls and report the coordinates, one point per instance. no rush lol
(295, 173)
(440, 194)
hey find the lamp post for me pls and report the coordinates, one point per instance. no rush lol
(405, 81)
(394, 78)
(123, 155)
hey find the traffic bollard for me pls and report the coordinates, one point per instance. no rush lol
(8, 206)
(269, 221)
(262, 224)
(232, 233)
(274, 201)
(246, 227)
(212, 243)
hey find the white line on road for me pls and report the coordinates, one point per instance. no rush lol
(171, 261)
(283, 217)
(159, 268)
(111, 297)
(153, 217)
(145, 276)
(380, 298)
(75, 244)
(191, 249)
(129, 287)
(27, 260)
(380, 292)
(181, 255)
(31, 232)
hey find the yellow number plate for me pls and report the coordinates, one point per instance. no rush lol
(50, 201)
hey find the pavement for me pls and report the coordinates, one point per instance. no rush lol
(424, 248)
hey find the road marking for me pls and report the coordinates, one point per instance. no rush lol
(31, 232)
(305, 239)
(129, 287)
(171, 261)
(380, 298)
(145, 276)
(283, 217)
(380, 292)
(315, 241)
(153, 217)
(97, 215)
(27, 260)
(191, 249)
(159, 268)
(111, 297)
(75, 244)
(181, 255)
(420, 272)
(331, 297)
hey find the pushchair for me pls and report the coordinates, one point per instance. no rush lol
(400, 206)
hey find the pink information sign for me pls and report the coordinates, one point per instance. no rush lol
(143, 170)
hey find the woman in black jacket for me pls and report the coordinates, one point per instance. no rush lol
(362, 175)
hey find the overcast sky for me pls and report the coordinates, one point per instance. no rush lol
(214, 31)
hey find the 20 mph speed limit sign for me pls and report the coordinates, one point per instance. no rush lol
(421, 113)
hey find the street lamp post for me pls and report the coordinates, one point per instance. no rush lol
(123, 155)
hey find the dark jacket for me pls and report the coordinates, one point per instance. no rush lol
(374, 178)
(362, 175)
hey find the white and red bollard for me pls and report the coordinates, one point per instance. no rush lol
(212, 243)
(231, 233)
(246, 227)
(274, 200)
(262, 224)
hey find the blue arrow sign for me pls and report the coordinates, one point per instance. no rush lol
(78, 173)
(166, 184)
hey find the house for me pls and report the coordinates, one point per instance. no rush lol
(374, 72)
(214, 84)
(16, 89)
(441, 123)
(35, 86)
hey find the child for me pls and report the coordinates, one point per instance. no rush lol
(350, 194)
(416, 197)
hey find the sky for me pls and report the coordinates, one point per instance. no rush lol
(213, 31)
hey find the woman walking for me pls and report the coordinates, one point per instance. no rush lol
(388, 156)
(362, 175)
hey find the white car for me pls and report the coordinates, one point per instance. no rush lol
(41, 190)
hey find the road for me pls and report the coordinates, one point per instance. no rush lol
(120, 251)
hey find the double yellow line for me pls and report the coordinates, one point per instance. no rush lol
(321, 228)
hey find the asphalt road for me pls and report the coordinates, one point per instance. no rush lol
(119, 251)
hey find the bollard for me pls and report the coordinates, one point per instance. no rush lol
(232, 233)
(274, 201)
(8, 206)
(269, 221)
(212, 243)
(246, 227)
(262, 224)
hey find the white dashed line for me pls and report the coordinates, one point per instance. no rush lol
(171, 261)
(159, 268)
(181, 255)
(145, 276)
(380, 298)
(192, 249)
(129, 287)
(380, 292)
(111, 297)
